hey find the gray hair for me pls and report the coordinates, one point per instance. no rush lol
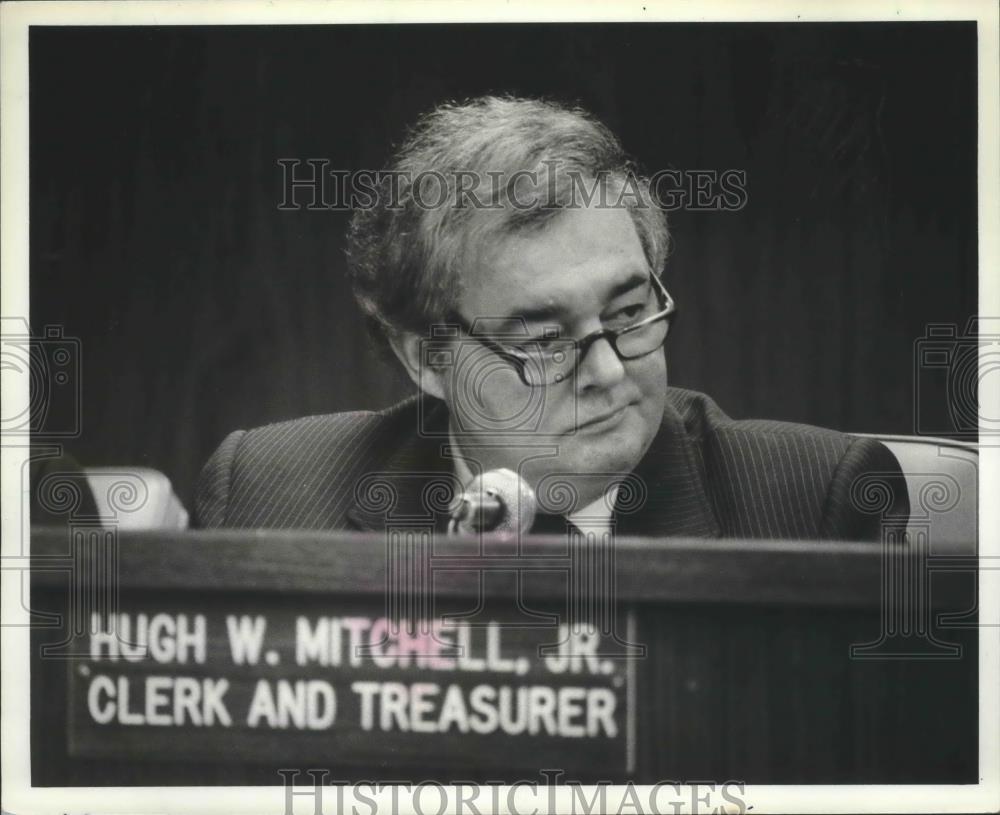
(405, 256)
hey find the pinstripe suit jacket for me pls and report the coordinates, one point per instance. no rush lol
(706, 475)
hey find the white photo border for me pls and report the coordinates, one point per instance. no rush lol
(15, 19)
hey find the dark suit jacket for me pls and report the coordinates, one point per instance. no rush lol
(706, 475)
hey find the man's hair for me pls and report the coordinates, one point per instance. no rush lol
(406, 253)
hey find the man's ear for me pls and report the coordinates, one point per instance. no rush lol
(408, 348)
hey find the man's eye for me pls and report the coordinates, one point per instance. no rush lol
(541, 344)
(629, 314)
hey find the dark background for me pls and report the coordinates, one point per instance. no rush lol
(201, 308)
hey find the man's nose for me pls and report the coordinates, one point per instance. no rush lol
(600, 367)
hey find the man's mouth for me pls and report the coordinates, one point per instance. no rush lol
(605, 421)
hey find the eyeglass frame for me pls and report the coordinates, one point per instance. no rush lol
(668, 313)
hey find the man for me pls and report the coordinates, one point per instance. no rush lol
(512, 261)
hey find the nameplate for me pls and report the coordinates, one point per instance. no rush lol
(343, 683)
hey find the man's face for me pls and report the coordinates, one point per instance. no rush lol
(583, 271)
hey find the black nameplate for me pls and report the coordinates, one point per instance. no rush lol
(342, 680)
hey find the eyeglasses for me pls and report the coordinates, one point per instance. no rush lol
(550, 359)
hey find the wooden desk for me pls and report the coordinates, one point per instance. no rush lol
(720, 660)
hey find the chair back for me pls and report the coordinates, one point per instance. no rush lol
(942, 480)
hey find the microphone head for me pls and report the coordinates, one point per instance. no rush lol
(497, 501)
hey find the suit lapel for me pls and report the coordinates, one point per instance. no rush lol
(417, 475)
(677, 502)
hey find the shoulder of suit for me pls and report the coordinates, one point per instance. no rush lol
(703, 418)
(771, 479)
(357, 428)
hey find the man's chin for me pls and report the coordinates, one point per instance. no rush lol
(611, 456)
(584, 455)
(570, 486)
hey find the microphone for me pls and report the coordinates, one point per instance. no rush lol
(497, 501)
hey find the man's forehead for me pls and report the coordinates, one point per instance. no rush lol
(580, 257)
(538, 305)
